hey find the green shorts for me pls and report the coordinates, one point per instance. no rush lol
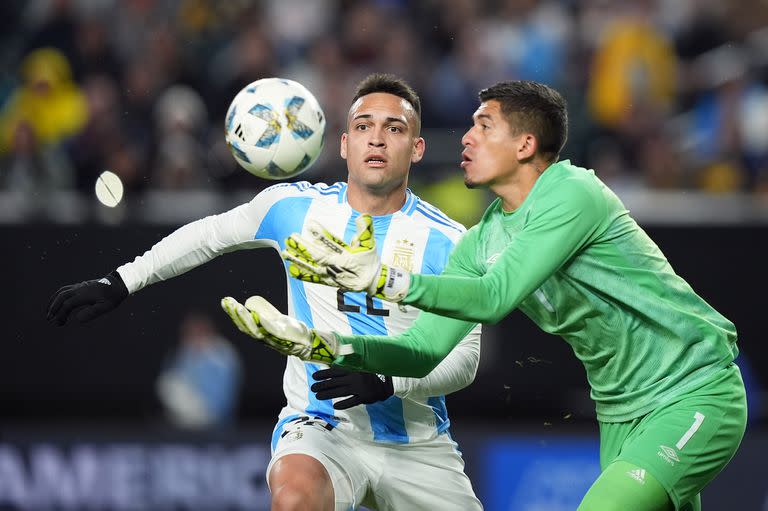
(685, 443)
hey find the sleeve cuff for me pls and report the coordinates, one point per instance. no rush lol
(131, 284)
(348, 355)
(402, 386)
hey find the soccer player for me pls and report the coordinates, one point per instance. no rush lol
(393, 451)
(561, 247)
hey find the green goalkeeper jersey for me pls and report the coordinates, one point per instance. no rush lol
(574, 261)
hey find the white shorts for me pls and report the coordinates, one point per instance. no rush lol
(426, 475)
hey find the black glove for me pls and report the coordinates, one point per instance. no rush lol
(363, 388)
(86, 300)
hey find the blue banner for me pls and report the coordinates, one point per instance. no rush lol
(537, 474)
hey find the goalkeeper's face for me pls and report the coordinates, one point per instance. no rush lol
(381, 142)
(493, 149)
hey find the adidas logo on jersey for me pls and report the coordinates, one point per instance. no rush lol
(638, 475)
(668, 454)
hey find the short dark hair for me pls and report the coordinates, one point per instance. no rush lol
(388, 84)
(536, 108)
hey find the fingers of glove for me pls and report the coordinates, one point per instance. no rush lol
(334, 392)
(363, 239)
(89, 312)
(325, 238)
(324, 346)
(300, 273)
(301, 268)
(315, 252)
(54, 304)
(262, 307)
(71, 301)
(331, 372)
(301, 260)
(241, 317)
(275, 322)
(339, 386)
(296, 245)
(348, 403)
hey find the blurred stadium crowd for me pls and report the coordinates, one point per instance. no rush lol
(664, 94)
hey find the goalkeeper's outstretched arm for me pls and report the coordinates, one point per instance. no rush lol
(414, 353)
(552, 236)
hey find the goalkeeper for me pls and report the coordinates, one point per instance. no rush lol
(560, 246)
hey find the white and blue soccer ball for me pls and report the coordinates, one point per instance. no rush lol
(275, 128)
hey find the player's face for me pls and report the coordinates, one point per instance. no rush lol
(491, 148)
(381, 142)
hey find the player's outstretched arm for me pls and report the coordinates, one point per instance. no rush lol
(82, 302)
(322, 258)
(187, 247)
(261, 320)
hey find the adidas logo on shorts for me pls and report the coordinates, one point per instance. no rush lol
(638, 475)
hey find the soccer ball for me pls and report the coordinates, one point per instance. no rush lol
(275, 128)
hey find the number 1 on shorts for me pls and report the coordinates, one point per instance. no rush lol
(698, 418)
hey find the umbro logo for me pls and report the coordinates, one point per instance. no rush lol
(638, 475)
(668, 454)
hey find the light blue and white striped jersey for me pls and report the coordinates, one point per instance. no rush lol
(417, 238)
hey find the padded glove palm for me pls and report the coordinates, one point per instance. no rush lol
(261, 320)
(323, 258)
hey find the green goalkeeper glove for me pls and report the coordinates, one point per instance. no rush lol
(262, 321)
(323, 258)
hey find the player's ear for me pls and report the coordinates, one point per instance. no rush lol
(343, 146)
(419, 145)
(527, 146)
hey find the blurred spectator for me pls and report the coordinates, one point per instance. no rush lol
(94, 49)
(47, 100)
(442, 20)
(727, 139)
(248, 57)
(530, 39)
(33, 169)
(454, 83)
(102, 134)
(51, 23)
(364, 27)
(631, 90)
(181, 120)
(296, 23)
(634, 68)
(200, 386)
